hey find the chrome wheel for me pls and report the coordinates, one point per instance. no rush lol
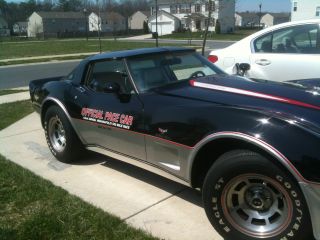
(57, 134)
(257, 205)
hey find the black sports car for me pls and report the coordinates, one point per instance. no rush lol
(251, 147)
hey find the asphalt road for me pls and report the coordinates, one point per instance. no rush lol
(21, 75)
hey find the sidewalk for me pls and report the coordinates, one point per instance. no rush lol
(142, 199)
(15, 97)
(139, 37)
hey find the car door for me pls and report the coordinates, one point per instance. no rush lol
(110, 113)
(287, 54)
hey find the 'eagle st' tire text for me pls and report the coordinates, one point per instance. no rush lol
(247, 197)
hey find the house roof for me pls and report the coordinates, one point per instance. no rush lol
(173, 2)
(165, 13)
(280, 15)
(248, 14)
(196, 16)
(147, 13)
(22, 24)
(111, 16)
(61, 15)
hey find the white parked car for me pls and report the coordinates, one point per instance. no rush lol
(284, 52)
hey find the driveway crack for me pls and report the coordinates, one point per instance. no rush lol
(154, 204)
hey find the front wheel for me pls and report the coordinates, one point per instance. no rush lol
(247, 197)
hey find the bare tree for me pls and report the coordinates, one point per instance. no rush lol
(208, 22)
(211, 8)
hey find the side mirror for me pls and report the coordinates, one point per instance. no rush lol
(242, 68)
(111, 87)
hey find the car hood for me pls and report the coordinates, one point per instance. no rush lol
(288, 100)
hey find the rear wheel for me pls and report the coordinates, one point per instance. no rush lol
(248, 197)
(62, 140)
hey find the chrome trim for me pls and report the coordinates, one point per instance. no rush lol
(138, 163)
(241, 136)
(130, 76)
(172, 166)
(312, 195)
(64, 109)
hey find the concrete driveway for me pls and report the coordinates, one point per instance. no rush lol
(144, 200)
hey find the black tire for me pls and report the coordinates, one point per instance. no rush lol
(63, 142)
(246, 196)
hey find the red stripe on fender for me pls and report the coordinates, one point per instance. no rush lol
(252, 94)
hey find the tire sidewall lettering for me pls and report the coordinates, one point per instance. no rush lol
(287, 234)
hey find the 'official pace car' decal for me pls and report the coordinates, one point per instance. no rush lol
(108, 118)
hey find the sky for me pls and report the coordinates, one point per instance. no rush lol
(251, 5)
(267, 5)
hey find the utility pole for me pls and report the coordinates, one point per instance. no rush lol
(207, 26)
(157, 41)
(99, 25)
(260, 15)
(86, 18)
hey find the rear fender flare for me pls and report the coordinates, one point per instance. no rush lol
(57, 102)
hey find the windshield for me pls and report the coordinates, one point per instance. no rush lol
(162, 69)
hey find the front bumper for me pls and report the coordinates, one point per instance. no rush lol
(312, 195)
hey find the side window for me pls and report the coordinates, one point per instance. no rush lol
(302, 39)
(263, 44)
(109, 71)
(307, 40)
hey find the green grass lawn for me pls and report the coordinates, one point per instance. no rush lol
(236, 36)
(10, 50)
(33, 208)
(12, 112)
(10, 91)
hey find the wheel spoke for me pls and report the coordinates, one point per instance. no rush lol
(254, 204)
(57, 134)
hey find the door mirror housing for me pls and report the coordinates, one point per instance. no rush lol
(242, 68)
(111, 87)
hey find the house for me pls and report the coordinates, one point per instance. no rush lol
(304, 10)
(247, 19)
(193, 14)
(53, 23)
(108, 22)
(167, 23)
(20, 28)
(4, 28)
(271, 19)
(138, 19)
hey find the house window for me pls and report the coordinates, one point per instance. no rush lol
(188, 8)
(185, 8)
(182, 8)
(318, 12)
(212, 7)
(198, 8)
(173, 9)
(295, 6)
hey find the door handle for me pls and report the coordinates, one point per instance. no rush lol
(81, 89)
(263, 62)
